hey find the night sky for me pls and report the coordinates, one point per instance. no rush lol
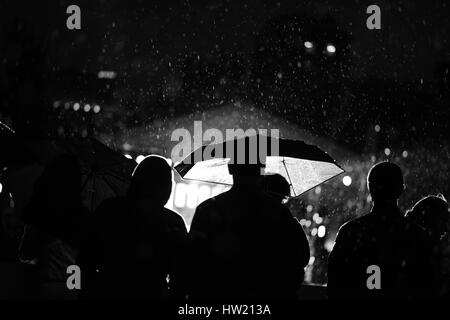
(412, 40)
(175, 57)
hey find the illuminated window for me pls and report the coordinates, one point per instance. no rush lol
(192, 196)
(180, 195)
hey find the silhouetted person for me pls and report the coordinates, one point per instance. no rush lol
(55, 220)
(136, 244)
(431, 213)
(276, 186)
(382, 238)
(246, 245)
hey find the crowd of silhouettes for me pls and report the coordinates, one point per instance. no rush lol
(405, 250)
(242, 244)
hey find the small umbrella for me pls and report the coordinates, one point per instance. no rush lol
(304, 166)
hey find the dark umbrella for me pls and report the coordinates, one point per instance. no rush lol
(105, 172)
(304, 166)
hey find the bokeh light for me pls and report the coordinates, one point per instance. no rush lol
(347, 181)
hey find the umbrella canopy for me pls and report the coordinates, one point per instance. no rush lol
(304, 166)
(105, 172)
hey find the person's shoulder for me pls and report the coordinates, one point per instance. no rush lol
(212, 210)
(415, 231)
(355, 225)
(218, 200)
(173, 217)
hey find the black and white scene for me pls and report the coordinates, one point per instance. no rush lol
(198, 153)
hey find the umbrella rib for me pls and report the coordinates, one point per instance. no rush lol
(88, 177)
(110, 185)
(289, 177)
(112, 174)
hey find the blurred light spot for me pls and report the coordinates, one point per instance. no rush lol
(106, 74)
(87, 108)
(96, 108)
(314, 232)
(128, 156)
(405, 154)
(319, 220)
(76, 106)
(331, 48)
(321, 231)
(66, 105)
(329, 245)
(302, 222)
(126, 146)
(308, 45)
(318, 190)
(387, 151)
(309, 208)
(315, 216)
(369, 198)
(347, 181)
(1, 187)
(377, 128)
(139, 158)
(55, 104)
(311, 260)
(308, 223)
